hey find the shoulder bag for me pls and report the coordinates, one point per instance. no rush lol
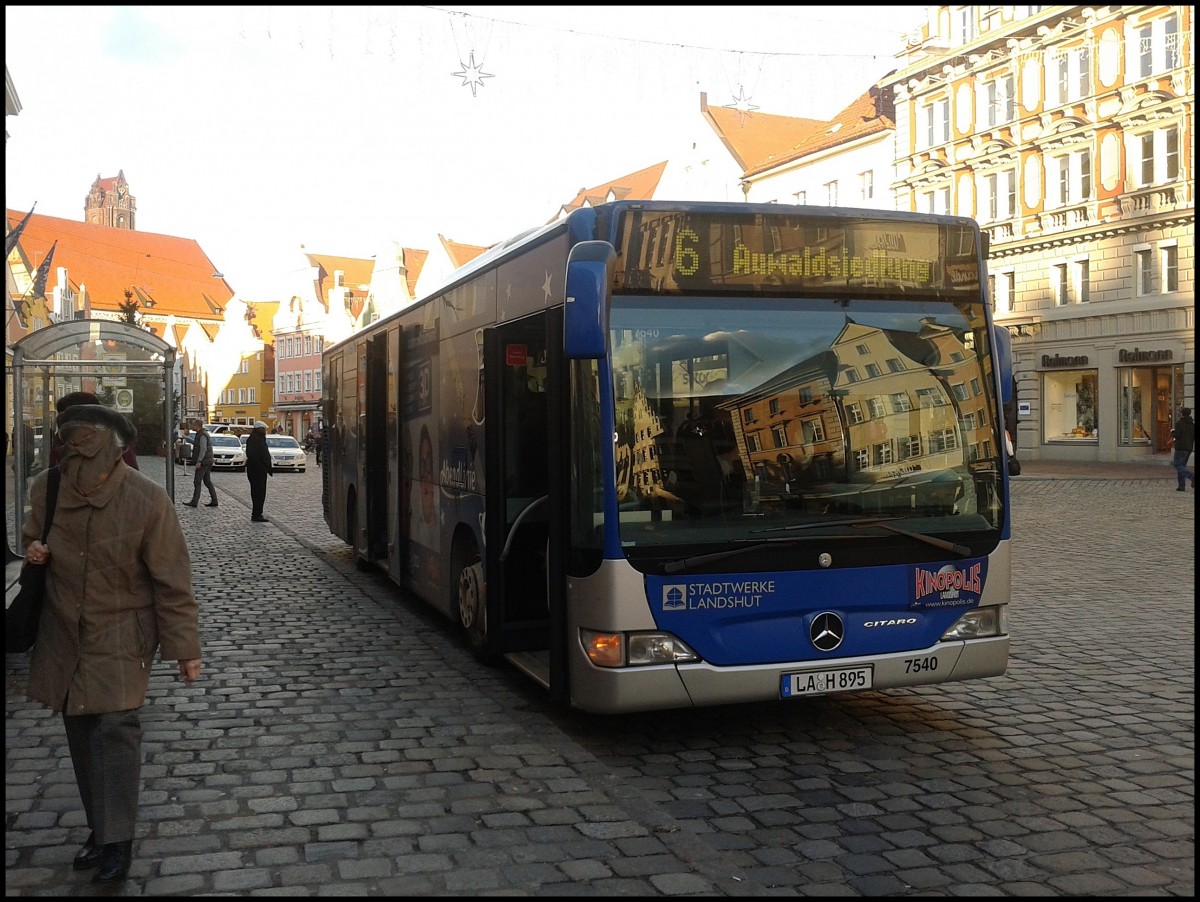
(25, 613)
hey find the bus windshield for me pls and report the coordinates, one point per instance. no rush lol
(739, 417)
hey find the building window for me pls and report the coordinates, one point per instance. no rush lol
(1058, 279)
(877, 408)
(873, 370)
(831, 194)
(1170, 267)
(1000, 195)
(801, 197)
(862, 459)
(773, 406)
(814, 430)
(882, 454)
(854, 413)
(1070, 75)
(866, 181)
(779, 435)
(308, 380)
(308, 345)
(1143, 272)
(1006, 283)
(941, 440)
(930, 397)
(1155, 47)
(937, 122)
(996, 101)
(895, 365)
(966, 24)
(910, 447)
(250, 394)
(936, 201)
(1074, 178)
(1083, 283)
(753, 442)
(1155, 157)
(1069, 405)
(900, 402)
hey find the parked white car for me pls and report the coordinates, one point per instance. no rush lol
(286, 453)
(228, 453)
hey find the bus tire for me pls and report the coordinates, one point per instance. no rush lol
(471, 599)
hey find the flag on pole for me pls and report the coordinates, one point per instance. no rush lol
(11, 239)
(43, 273)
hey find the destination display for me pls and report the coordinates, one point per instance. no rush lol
(687, 252)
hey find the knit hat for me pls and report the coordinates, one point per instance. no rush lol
(96, 415)
(76, 397)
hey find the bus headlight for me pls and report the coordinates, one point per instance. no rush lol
(977, 624)
(635, 649)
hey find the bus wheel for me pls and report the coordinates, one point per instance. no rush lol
(472, 603)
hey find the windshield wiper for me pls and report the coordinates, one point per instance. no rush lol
(882, 523)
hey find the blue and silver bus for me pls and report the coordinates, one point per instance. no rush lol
(660, 455)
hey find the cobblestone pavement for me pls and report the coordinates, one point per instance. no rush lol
(344, 742)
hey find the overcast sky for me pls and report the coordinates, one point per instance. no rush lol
(256, 130)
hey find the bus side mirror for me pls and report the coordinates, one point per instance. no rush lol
(585, 320)
(1004, 363)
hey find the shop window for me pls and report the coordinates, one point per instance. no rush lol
(1069, 408)
(1137, 405)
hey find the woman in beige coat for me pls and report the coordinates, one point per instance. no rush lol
(118, 587)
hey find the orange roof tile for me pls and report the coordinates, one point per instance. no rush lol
(756, 139)
(414, 262)
(458, 252)
(169, 275)
(638, 185)
(871, 113)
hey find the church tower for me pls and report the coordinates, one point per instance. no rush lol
(109, 203)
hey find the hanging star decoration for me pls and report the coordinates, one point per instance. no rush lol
(743, 106)
(472, 74)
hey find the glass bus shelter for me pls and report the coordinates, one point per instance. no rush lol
(128, 368)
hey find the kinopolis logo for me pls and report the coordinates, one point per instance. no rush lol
(674, 597)
(949, 586)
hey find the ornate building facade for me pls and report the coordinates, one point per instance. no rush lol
(1068, 132)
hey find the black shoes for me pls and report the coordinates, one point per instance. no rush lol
(211, 504)
(88, 856)
(259, 520)
(115, 858)
(189, 504)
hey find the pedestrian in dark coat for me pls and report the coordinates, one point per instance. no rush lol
(118, 590)
(1183, 440)
(258, 468)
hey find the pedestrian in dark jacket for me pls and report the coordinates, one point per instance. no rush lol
(118, 590)
(258, 468)
(1183, 441)
(202, 464)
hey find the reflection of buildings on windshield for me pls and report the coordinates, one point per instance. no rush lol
(879, 409)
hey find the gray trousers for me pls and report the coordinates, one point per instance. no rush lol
(203, 476)
(106, 752)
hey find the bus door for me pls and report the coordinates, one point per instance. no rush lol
(524, 455)
(374, 437)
